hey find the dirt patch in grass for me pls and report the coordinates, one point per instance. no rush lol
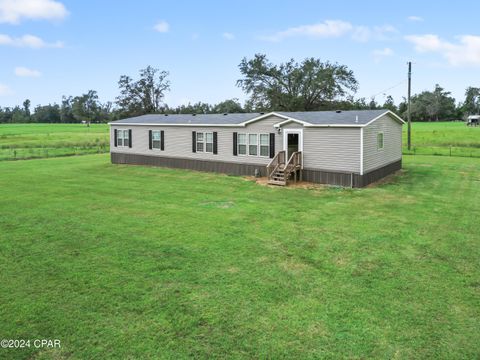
(292, 185)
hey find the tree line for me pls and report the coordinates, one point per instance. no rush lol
(291, 86)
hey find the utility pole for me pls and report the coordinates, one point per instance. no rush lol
(409, 117)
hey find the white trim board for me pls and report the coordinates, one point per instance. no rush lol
(285, 141)
(361, 151)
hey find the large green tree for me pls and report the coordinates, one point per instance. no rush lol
(86, 107)
(47, 114)
(472, 101)
(145, 95)
(228, 106)
(433, 105)
(292, 86)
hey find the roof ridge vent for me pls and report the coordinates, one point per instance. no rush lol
(262, 113)
(165, 114)
(194, 114)
(225, 114)
(338, 111)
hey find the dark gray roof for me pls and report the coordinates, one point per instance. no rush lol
(335, 118)
(182, 119)
(351, 117)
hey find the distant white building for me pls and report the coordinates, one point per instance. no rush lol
(473, 120)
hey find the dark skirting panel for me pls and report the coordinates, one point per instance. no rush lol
(310, 175)
(377, 174)
(191, 164)
(350, 179)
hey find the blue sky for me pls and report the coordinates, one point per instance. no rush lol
(50, 48)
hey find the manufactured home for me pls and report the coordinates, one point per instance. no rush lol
(346, 148)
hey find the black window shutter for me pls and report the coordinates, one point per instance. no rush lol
(162, 140)
(150, 139)
(194, 141)
(115, 137)
(129, 138)
(215, 148)
(235, 144)
(272, 145)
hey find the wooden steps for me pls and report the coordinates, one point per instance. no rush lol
(277, 182)
(279, 171)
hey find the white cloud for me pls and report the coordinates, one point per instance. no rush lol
(5, 90)
(465, 52)
(379, 54)
(366, 33)
(414, 18)
(30, 41)
(334, 29)
(26, 72)
(13, 11)
(162, 26)
(228, 36)
(327, 29)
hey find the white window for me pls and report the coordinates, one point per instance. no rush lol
(156, 139)
(242, 144)
(380, 140)
(199, 142)
(209, 142)
(264, 145)
(253, 144)
(122, 138)
(248, 144)
(205, 142)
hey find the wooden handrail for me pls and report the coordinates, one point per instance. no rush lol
(278, 159)
(294, 163)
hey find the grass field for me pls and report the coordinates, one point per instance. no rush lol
(142, 262)
(26, 141)
(443, 138)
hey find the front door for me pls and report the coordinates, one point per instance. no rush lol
(292, 141)
(292, 144)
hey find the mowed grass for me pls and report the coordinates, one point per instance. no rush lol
(26, 141)
(443, 138)
(141, 262)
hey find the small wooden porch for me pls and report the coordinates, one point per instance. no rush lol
(280, 171)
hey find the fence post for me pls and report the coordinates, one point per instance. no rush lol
(450, 150)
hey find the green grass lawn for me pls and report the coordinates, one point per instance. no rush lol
(142, 262)
(25, 141)
(443, 138)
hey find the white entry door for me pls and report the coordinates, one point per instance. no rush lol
(292, 141)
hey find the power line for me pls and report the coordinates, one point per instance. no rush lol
(390, 88)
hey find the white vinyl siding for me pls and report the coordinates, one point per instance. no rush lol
(373, 156)
(156, 139)
(333, 149)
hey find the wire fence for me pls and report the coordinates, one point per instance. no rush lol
(459, 151)
(46, 152)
